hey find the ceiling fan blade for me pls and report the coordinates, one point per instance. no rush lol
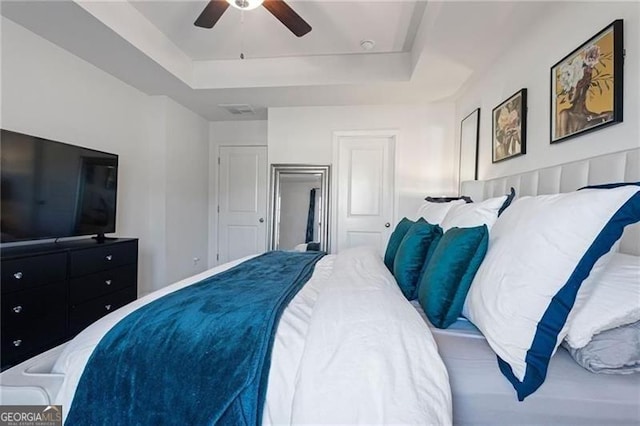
(283, 12)
(211, 13)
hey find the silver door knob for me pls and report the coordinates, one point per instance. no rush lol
(17, 309)
(261, 220)
(107, 282)
(17, 343)
(18, 275)
(109, 257)
(107, 307)
(387, 225)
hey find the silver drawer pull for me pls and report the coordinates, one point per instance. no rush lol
(18, 275)
(107, 282)
(109, 257)
(17, 343)
(107, 307)
(17, 309)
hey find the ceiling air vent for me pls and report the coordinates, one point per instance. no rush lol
(238, 109)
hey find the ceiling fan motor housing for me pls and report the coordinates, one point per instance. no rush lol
(245, 4)
(278, 8)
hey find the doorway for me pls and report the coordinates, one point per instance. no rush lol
(365, 188)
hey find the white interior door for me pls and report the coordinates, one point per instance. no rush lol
(365, 190)
(242, 199)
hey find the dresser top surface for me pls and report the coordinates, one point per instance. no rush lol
(7, 253)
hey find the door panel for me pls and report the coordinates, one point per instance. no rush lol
(244, 170)
(365, 183)
(243, 240)
(359, 238)
(365, 202)
(243, 202)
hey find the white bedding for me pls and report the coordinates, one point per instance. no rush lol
(349, 348)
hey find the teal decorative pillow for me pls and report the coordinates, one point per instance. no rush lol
(412, 255)
(448, 275)
(395, 240)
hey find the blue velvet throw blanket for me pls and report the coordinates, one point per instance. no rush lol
(197, 356)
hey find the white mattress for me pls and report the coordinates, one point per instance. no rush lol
(570, 395)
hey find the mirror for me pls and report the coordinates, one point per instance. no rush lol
(299, 207)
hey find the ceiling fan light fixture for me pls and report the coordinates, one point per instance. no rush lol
(245, 4)
(367, 45)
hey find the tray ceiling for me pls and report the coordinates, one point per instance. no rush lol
(338, 28)
(425, 51)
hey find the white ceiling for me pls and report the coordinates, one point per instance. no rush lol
(425, 53)
(338, 28)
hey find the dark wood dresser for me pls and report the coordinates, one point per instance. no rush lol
(51, 292)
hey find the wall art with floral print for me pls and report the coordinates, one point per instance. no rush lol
(586, 85)
(510, 127)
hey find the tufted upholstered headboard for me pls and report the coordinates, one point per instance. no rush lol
(621, 166)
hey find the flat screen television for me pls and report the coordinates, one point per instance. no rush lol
(51, 189)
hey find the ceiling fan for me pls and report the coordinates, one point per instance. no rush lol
(278, 8)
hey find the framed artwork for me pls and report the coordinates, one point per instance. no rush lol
(586, 85)
(469, 137)
(509, 127)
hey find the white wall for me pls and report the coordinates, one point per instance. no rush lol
(51, 93)
(227, 133)
(187, 204)
(527, 65)
(425, 163)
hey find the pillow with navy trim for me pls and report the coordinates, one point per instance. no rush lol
(477, 214)
(609, 185)
(449, 272)
(434, 211)
(412, 255)
(510, 197)
(394, 241)
(541, 250)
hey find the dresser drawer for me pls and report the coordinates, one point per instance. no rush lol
(18, 345)
(100, 258)
(20, 274)
(29, 308)
(32, 321)
(98, 284)
(84, 314)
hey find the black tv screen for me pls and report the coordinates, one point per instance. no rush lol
(51, 189)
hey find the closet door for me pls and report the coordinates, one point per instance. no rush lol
(365, 201)
(242, 198)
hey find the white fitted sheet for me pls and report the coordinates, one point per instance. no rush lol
(570, 395)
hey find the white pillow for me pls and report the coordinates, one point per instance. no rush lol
(473, 214)
(541, 249)
(614, 301)
(435, 212)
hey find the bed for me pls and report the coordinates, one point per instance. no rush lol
(570, 394)
(346, 346)
(353, 350)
